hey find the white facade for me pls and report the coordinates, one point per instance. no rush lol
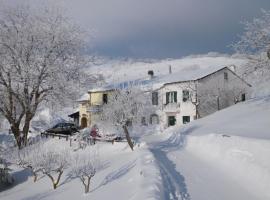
(186, 101)
(177, 108)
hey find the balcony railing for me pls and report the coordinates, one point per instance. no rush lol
(94, 108)
(171, 107)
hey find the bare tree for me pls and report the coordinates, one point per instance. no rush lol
(126, 106)
(39, 60)
(84, 165)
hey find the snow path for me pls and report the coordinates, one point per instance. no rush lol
(173, 182)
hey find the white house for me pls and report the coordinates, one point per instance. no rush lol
(189, 95)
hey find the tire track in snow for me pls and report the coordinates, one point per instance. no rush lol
(173, 182)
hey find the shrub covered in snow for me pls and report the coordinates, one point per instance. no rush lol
(84, 165)
(5, 177)
(30, 158)
(54, 159)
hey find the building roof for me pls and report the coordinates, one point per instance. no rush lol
(183, 75)
(83, 98)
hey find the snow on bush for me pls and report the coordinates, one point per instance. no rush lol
(84, 165)
(5, 177)
(30, 158)
(54, 159)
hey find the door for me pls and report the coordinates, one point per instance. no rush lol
(83, 122)
(171, 120)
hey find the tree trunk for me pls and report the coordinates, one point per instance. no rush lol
(16, 132)
(87, 185)
(58, 179)
(26, 129)
(21, 140)
(55, 183)
(130, 143)
(35, 177)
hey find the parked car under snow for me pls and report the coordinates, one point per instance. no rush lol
(65, 128)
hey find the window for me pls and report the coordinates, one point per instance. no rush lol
(171, 97)
(225, 76)
(186, 119)
(155, 98)
(154, 119)
(243, 97)
(143, 121)
(105, 98)
(171, 120)
(185, 95)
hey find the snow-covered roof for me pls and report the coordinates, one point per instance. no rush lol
(84, 97)
(189, 74)
(185, 74)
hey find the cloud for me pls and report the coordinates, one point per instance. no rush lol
(162, 28)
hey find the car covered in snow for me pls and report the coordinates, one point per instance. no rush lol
(65, 128)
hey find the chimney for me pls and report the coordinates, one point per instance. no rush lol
(233, 68)
(170, 69)
(151, 74)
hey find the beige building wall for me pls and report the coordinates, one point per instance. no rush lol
(86, 108)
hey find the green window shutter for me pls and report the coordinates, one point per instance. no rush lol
(167, 97)
(175, 96)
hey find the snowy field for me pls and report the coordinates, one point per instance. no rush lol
(125, 175)
(223, 156)
(220, 157)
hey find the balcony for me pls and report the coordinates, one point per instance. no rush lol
(94, 109)
(171, 107)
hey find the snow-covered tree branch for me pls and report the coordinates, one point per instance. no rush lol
(40, 55)
(254, 44)
(54, 160)
(126, 106)
(30, 158)
(84, 165)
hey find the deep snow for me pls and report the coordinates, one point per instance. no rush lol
(222, 156)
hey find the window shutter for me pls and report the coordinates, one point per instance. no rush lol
(167, 97)
(175, 97)
(155, 98)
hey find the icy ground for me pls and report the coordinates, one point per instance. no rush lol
(220, 157)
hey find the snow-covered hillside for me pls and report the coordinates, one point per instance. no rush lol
(115, 70)
(222, 156)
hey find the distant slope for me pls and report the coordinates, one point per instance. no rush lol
(117, 70)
